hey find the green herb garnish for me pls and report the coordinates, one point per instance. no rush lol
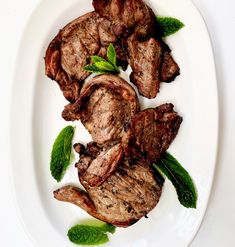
(108, 228)
(93, 69)
(168, 25)
(101, 66)
(96, 59)
(180, 178)
(90, 235)
(112, 57)
(61, 153)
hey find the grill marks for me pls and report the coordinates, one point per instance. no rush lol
(122, 199)
(127, 16)
(72, 48)
(105, 106)
(80, 40)
(145, 60)
(152, 131)
(106, 114)
(102, 166)
(69, 86)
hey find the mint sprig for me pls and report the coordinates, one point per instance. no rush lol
(180, 178)
(101, 66)
(90, 235)
(96, 59)
(61, 153)
(112, 57)
(93, 69)
(168, 25)
(105, 66)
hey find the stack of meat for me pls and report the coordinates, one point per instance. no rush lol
(131, 26)
(115, 169)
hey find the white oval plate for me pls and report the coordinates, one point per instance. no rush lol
(36, 108)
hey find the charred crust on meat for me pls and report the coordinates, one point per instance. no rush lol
(79, 148)
(152, 131)
(126, 196)
(105, 106)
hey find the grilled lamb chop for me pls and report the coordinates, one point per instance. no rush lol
(70, 87)
(145, 61)
(127, 195)
(151, 63)
(70, 51)
(152, 131)
(127, 16)
(105, 106)
(72, 48)
(95, 169)
(80, 39)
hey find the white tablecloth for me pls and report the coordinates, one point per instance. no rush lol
(218, 227)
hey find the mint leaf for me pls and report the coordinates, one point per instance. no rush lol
(96, 59)
(180, 178)
(90, 235)
(108, 228)
(93, 69)
(105, 66)
(61, 152)
(112, 57)
(168, 25)
(87, 235)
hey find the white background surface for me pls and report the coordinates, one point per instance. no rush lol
(218, 228)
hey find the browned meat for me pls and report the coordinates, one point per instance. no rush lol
(80, 40)
(79, 148)
(126, 196)
(151, 63)
(127, 16)
(115, 170)
(70, 51)
(105, 106)
(99, 169)
(107, 36)
(76, 196)
(145, 60)
(152, 131)
(120, 189)
(150, 60)
(70, 87)
(72, 48)
(113, 22)
(169, 68)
